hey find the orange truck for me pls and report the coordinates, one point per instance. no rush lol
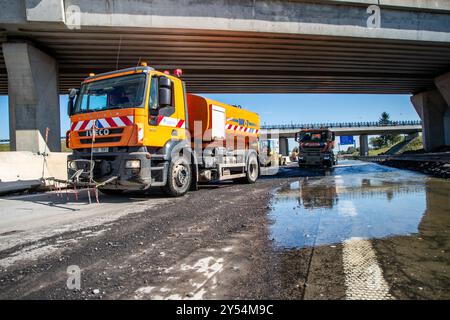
(137, 128)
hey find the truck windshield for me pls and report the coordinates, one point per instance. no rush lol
(115, 93)
(313, 136)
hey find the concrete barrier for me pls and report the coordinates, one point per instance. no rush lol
(25, 165)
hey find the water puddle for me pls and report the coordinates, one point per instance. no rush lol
(355, 200)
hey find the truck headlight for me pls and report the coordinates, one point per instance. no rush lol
(133, 164)
(72, 165)
(326, 157)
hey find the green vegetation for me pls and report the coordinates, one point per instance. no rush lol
(415, 145)
(385, 140)
(376, 152)
(63, 146)
(4, 147)
(350, 151)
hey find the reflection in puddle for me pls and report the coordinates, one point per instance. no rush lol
(364, 201)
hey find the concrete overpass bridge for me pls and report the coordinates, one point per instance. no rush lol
(361, 129)
(245, 46)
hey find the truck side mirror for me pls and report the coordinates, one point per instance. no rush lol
(70, 104)
(153, 112)
(165, 92)
(296, 136)
(333, 136)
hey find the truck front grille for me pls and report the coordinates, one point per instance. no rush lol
(312, 150)
(100, 140)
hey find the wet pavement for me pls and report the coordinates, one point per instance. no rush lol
(390, 225)
(359, 231)
(365, 201)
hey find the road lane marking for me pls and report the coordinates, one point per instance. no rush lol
(363, 276)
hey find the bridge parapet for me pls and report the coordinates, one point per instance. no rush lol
(342, 125)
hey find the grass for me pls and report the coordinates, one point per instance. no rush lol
(63, 146)
(415, 145)
(375, 152)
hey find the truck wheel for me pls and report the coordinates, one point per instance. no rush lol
(178, 177)
(252, 171)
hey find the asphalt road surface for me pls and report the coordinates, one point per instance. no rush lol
(359, 231)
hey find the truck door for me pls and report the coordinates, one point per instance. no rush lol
(165, 111)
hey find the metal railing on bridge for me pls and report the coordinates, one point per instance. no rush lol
(341, 125)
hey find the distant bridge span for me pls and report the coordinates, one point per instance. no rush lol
(361, 129)
(346, 128)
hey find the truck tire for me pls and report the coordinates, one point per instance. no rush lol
(252, 170)
(179, 177)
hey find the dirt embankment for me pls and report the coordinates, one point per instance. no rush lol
(436, 169)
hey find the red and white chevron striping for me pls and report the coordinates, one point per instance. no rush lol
(113, 122)
(234, 127)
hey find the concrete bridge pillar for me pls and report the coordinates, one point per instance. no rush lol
(33, 98)
(284, 146)
(443, 85)
(433, 110)
(364, 145)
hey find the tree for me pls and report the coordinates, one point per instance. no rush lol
(386, 139)
(385, 118)
(377, 142)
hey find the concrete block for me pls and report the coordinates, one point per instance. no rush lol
(24, 165)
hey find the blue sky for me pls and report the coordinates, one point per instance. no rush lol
(287, 108)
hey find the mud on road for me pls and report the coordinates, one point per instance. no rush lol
(209, 244)
(216, 243)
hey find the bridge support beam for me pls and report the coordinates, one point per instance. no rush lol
(443, 85)
(434, 112)
(33, 98)
(284, 146)
(364, 145)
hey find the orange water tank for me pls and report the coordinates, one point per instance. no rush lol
(214, 120)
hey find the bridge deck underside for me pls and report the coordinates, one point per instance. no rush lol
(242, 62)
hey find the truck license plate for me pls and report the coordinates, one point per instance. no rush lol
(100, 149)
